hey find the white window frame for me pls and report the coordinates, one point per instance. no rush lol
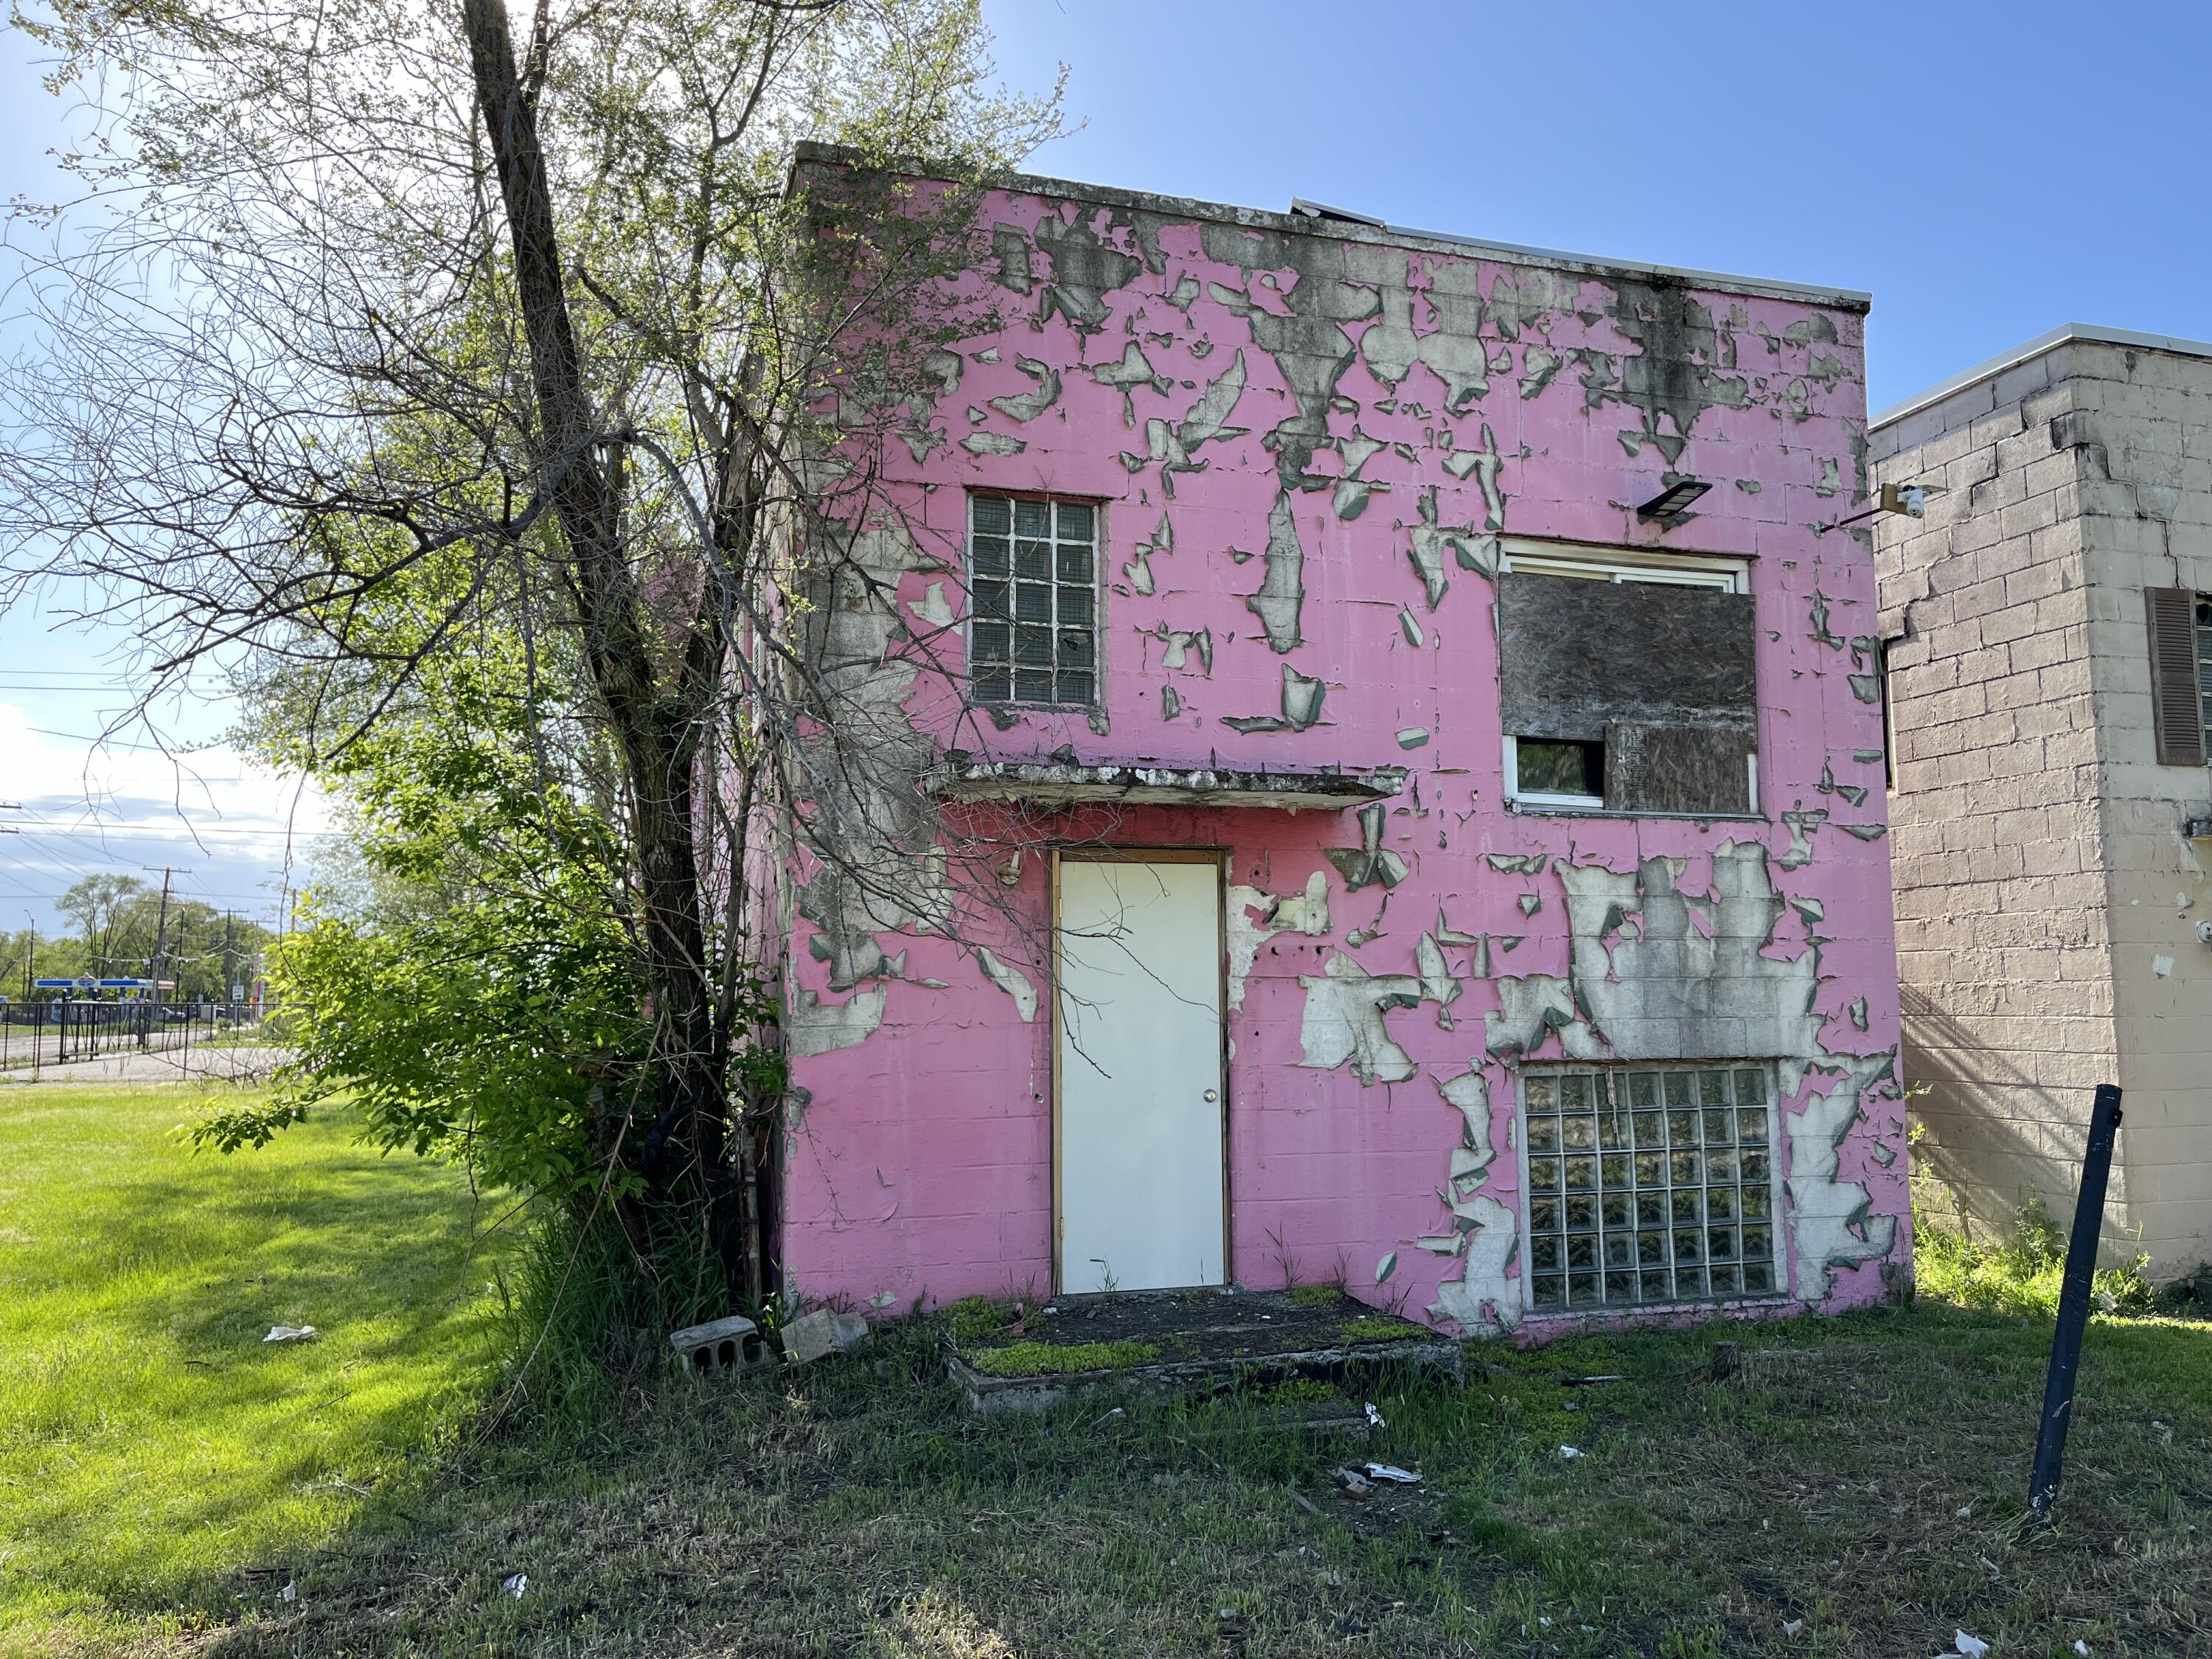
(1610, 564)
(1521, 797)
(1621, 564)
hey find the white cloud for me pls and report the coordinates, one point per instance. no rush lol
(231, 828)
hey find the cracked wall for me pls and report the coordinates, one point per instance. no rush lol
(1313, 445)
(2049, 890)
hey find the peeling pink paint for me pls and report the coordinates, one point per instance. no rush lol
(919, 1164)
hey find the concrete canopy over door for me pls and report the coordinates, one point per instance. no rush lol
(1138, 1163)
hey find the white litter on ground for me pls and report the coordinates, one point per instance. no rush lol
(1393, 1473)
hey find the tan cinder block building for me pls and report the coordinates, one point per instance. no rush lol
(2047, 643)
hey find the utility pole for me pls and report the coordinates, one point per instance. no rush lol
(161, 929)
(161, 924)
(38, 1012)
(230, 960)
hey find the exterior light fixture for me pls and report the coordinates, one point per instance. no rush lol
(1672, 505)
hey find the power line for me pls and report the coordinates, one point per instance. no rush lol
(181, 752)
(102, 679)
(128, 830)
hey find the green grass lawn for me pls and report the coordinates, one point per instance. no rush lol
(163, 1476)
(156, 1456)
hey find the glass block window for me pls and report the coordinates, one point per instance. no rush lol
(1648, 1185)
(1033, 601)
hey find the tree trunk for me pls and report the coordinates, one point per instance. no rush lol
(683, 1150)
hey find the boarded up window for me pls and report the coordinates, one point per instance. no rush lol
(1663, 677)
(2180, 676)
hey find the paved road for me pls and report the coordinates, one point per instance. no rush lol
(193, 1065)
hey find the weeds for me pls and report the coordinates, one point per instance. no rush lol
(1864, 1475)
(1376, 1330)
(585, 1315)
(975, 1319)
(1054, 1358)
(2020, 1274)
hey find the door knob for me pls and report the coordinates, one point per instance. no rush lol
(1212, 1095)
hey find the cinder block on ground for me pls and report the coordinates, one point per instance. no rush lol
(734, 1344)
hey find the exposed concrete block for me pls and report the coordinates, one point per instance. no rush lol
(818, 1335)
(729, 1345)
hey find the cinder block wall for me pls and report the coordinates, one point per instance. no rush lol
(1996, 843)
(2040, 869)
(2141, 432)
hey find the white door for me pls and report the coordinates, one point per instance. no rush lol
(1140, 1077)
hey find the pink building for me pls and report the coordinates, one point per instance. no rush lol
(1365, 766)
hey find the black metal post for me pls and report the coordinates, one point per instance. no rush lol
(2074, 1301)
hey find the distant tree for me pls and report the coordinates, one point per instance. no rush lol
(103, 907)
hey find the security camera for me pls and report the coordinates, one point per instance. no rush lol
(1910, 500)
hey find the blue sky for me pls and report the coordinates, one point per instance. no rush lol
(1988, 171)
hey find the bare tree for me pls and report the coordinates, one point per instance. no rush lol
(379, 325)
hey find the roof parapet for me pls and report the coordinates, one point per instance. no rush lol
(1313, 219)
(2086, 333)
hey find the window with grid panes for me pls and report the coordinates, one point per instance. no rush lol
(1032, 573)
(1648, 1185)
